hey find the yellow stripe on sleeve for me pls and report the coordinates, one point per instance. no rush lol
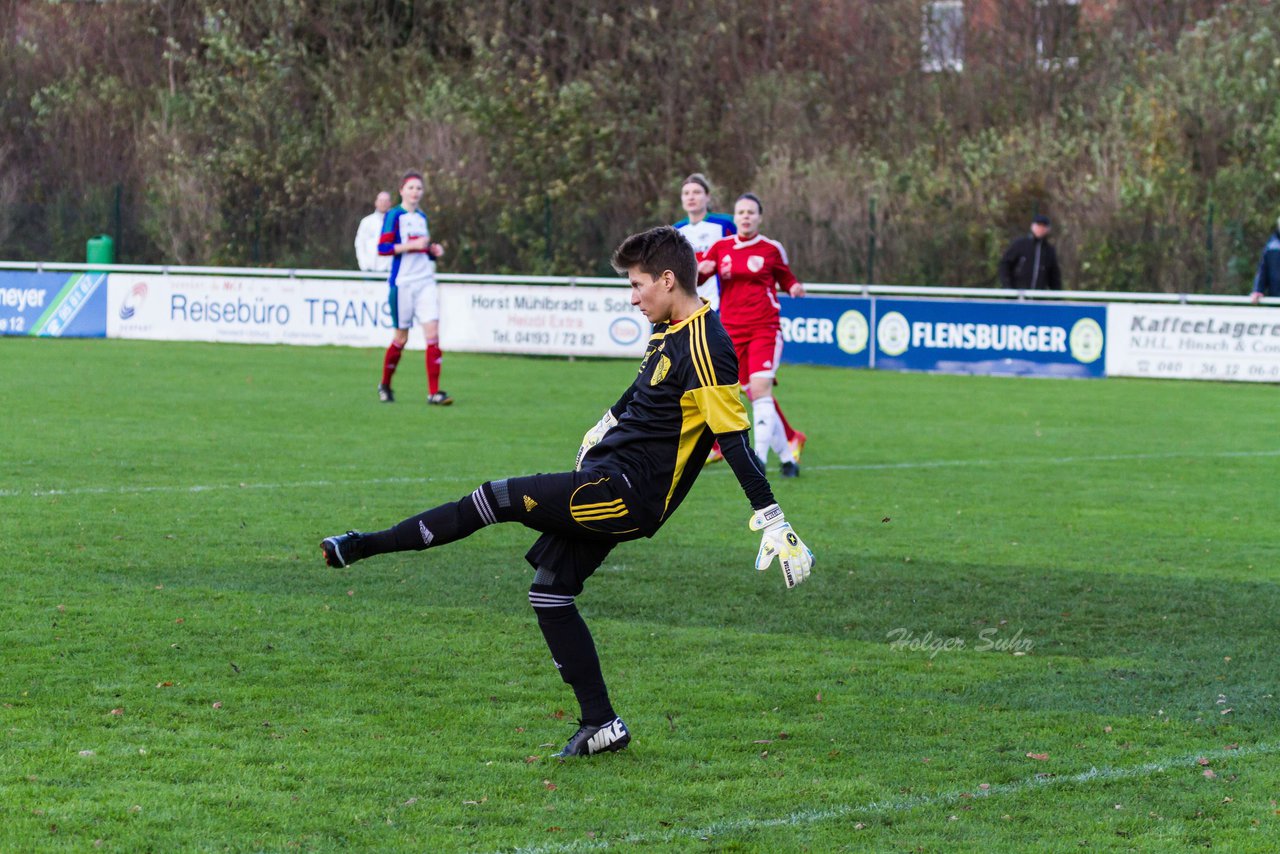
(722, 408)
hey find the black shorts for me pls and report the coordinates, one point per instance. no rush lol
(582, 516)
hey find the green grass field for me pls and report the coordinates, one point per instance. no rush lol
(180, 671)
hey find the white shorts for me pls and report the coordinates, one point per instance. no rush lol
(415, 303)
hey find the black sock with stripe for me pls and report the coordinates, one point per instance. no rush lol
(437, 526)
(574, 653)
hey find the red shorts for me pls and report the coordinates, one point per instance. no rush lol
(759, 351)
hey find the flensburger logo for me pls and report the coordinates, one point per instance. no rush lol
(893, 334)
(1084, 341)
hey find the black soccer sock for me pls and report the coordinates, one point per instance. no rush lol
(439, 525)
(573, 652)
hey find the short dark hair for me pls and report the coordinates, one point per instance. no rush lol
(699, 179)
(753, 197)
(657, 250)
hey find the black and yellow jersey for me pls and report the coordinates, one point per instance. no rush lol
(685, 394)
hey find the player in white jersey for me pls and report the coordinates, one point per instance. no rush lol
(413, 293)
(702, 228)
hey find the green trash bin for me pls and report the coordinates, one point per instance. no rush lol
(100, 250)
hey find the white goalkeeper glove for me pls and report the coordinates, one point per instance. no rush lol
(594, 435)
(778, 539)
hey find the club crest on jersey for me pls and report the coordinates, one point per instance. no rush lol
(755, 263)
(529, 504)
(726, 267)
(660, 370)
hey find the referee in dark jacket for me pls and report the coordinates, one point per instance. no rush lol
(1030, 263)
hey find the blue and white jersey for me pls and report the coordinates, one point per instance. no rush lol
(702, 236)
(407, 268)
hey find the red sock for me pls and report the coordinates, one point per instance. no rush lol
(389, 363)
(433, 367)
(791, 434)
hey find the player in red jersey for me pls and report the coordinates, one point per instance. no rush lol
(752, 270)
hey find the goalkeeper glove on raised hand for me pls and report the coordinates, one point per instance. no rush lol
(594, 435)
(778, 539)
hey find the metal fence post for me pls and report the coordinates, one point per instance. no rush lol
(1208, 251)
(871, 242)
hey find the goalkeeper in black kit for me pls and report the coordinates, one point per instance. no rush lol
(633, 469)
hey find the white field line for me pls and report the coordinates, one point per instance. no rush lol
(215, 487)
(919, 464)
(867, 810)
(1020, 461)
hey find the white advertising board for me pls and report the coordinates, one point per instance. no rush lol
(1193, 342)
(586, 321)
(250, 310)
(531, 319)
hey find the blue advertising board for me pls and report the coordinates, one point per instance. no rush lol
(826, 331)
(53, 304)
(970, 337)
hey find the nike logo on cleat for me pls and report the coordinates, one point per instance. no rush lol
(606, 736)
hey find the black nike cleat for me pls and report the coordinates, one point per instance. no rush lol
(342, 550)
(440, 398)
(385, 395)
(589, 739)
(790, 470)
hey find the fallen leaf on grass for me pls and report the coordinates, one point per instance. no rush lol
(859, 826)
(1039, 756)
(217, 704)
(1208, 774)
(984, 786)
(164, 684)
(763, 741)
(476, 803)
(86, 753)
(549, 786)
(558, 714)
(410, 802)
(117, 711)
(1202, 761)
(529, 760)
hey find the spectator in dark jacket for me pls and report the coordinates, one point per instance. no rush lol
(1030, 263)
(1267, 281)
